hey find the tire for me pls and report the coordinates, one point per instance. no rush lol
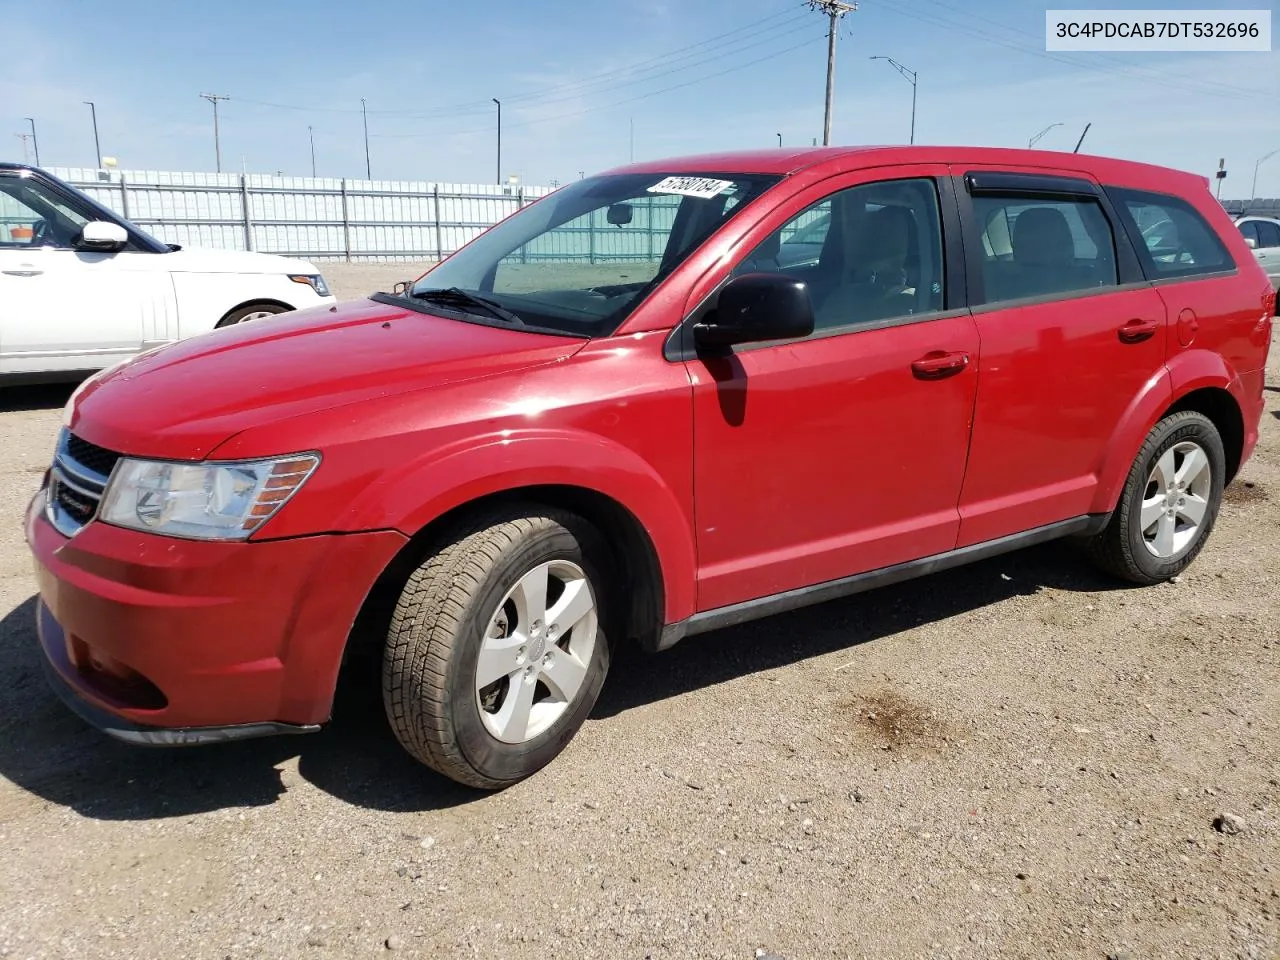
(1165, 548)
(479, 590)
(252, 311)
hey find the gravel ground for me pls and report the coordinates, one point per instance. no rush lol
(1016, 759)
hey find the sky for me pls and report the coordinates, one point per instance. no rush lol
(587, 85)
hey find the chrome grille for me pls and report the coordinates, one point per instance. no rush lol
(76, 485)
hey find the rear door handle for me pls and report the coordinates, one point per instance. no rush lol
(1135, 331)
(26, 271)
(938, 364)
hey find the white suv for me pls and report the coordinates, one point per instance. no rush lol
(1262, 234)
(82, 289)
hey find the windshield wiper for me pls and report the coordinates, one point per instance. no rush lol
(459, 297)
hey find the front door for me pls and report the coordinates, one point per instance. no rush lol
(844, 451)
(68, 309)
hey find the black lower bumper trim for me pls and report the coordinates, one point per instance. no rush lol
(142, 735)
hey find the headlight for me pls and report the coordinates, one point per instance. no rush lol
(313, 280)
(206, 501)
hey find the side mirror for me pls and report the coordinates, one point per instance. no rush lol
(756, 307)
(102, 235)
(620, 214)
(1251, 243)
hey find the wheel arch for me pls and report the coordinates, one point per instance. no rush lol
(638, 566)
(254, 302)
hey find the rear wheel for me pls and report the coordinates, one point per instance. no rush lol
(252, 311)
(496, 652)
(1169, 503)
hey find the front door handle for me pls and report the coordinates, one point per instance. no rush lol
(26, 270)
(938, 364)
(1135, 331)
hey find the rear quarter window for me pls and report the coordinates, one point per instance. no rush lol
(1173, 238)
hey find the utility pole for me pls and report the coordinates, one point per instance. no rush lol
(24, 137)
(217, 140)
(910, 75)
(312, 134)
(499, 174)
(36, 143)
(1220, 176)
(368, 165)
(835, 10)
(632, 123)
(93, 110)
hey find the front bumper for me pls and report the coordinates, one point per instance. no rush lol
(166, 641)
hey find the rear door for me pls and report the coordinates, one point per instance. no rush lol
(1070, 330)
(844, 451)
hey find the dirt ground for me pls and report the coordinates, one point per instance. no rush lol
(1016, 759)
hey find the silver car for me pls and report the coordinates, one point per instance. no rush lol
(1262, 234)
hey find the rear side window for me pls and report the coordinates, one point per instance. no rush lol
(1176, 241)
(1039, 248)
(1268, 233)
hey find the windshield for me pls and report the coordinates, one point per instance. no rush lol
(582, 259)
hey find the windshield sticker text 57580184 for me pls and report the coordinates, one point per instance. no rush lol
(702, 187)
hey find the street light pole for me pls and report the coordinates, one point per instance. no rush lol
(34, 142)
(93, 110)
(1253, 191)
(499, 172)
(1036, 139)
(779, 141)
(312, 135)
(368, 165)
(910, 76)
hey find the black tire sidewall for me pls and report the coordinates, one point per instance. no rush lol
(488, 756)
(236, 317)
(1200, 430)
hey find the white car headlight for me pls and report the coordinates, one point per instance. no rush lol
(205, 501)
(314, 280)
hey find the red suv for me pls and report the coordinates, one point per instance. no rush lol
(659, 401)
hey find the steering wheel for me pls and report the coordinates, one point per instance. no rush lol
(41, 233)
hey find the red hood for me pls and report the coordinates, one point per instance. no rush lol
(183, 400)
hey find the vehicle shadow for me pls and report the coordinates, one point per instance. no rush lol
(45, 396)
(52, 754)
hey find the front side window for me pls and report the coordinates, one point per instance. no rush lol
(33, 216)
(1249, 230)
(868, 253)
(1176, 240)
(1039, 248)
(580, 260)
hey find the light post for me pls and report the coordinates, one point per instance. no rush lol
(1036, 139)
(1253, 191)
(97, 147)
(910, 76)
(498, 178)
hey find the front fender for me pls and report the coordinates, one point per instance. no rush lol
(410, 497)
(1187, 372)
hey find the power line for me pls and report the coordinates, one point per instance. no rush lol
(616, 103)
(611, 79)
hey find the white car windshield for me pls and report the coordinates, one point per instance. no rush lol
(581, 259)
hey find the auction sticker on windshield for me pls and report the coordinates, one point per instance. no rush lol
(701, 187)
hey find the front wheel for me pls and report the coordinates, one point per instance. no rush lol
(1169, 503)
(496, 651)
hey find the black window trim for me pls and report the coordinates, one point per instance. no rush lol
(1050, 187)
(1154, 276)
(138, 242)
(679, 345)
